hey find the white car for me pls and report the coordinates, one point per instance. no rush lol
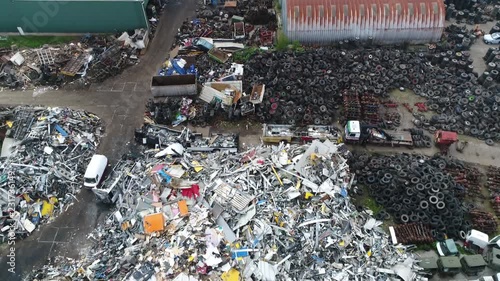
(493, 38)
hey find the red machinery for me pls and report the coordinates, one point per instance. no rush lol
(444, 139)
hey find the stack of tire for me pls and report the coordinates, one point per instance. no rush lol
(415, 189)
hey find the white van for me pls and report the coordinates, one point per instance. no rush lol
(95, 171)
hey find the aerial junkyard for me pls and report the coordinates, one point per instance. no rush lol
(275, 140)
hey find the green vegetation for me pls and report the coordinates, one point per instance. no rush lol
(461, 250)
(369, 203)
(245, 54)
(425, 247)
(34, 41)
(277, 6)
(283, 43)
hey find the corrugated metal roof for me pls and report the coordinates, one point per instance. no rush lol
(386, 21)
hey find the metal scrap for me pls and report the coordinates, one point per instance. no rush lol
(231, 217)
(44, 155)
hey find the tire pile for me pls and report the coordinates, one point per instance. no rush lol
(419, 139)
(308, 87)
(471, 12)
(415, 189)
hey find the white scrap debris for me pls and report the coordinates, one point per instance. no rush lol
(267, 270)
(173, 149)
(17, 59)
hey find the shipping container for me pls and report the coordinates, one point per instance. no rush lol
(383, 21)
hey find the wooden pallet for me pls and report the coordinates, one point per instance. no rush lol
(74, 65)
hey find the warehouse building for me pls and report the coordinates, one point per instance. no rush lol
(73, 16)
(383, 21)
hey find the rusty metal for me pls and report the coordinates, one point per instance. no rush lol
(468, 177)
(421, 107)
(383, 21)
(483, 221)
(413, 233)
(493, 184)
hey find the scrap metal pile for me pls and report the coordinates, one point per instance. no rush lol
(159, 137)
(270, 213)
(483, 220)
(224, 19)
(44, 155)
(93, 59)
(197, 112)
(416, 189)
(493, 184)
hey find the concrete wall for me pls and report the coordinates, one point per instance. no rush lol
(74, 16)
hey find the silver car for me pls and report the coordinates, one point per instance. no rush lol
(493, 38)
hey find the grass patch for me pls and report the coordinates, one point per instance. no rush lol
(245, 54)
(277, 6)
(283, 43)
(462, 250)
(35, 41)
(364, 200)
(368, 202)
(425, 247)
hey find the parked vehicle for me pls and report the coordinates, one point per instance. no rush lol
(273, 133)
(493, 38)
(493, 259)
(449, 265)
(447, 248)
(357, 133)
(429, 265)
(216, 142)
(473, 265)
(495, 277)
(95, 171)
(444, 139)
(476, 241)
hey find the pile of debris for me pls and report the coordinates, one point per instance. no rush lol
(207, 50)
(252, 22)
(175, 111)
(158, 137)
(270, 213)
(44, 155)
(92, 59)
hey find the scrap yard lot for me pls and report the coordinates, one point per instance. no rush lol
(240, 147)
